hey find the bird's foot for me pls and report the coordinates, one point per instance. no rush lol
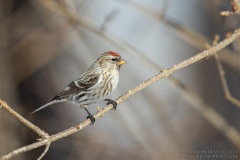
(92, 119)
(90, 116)
(114, 103)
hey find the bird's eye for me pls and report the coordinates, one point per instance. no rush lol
(114, 59)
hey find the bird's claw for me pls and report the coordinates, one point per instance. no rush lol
(92, 119)
(90, 116)
(112, 102)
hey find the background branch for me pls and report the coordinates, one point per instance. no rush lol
(35, 128)
(163, 74)
(226, 90)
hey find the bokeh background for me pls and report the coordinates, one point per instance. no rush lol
(45, 44)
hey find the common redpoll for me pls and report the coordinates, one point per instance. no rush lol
(94, 85)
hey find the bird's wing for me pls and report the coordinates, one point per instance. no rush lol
(87, 80)
(83, 83)
(61, 97)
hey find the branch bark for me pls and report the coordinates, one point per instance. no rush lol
(162, 74)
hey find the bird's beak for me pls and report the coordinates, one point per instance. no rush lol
(121, 62)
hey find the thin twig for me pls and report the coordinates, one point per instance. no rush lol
(235, 9)
(36, 129)
(237, 5)
(163, 74)
(226, 90)
(45, 151)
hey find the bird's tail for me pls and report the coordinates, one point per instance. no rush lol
(48, 104)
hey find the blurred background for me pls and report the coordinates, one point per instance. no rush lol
(46, 44)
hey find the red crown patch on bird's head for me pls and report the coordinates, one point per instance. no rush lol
(114, 53)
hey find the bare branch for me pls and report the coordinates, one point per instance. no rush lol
(207, 111)
(235, 9)
(163, 74)
(237, 5)
(36, 129)
(227, 93)
(45, 151)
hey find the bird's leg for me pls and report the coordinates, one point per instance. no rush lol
(90, 116)
(114, 103)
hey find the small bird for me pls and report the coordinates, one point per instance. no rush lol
(94, 85)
